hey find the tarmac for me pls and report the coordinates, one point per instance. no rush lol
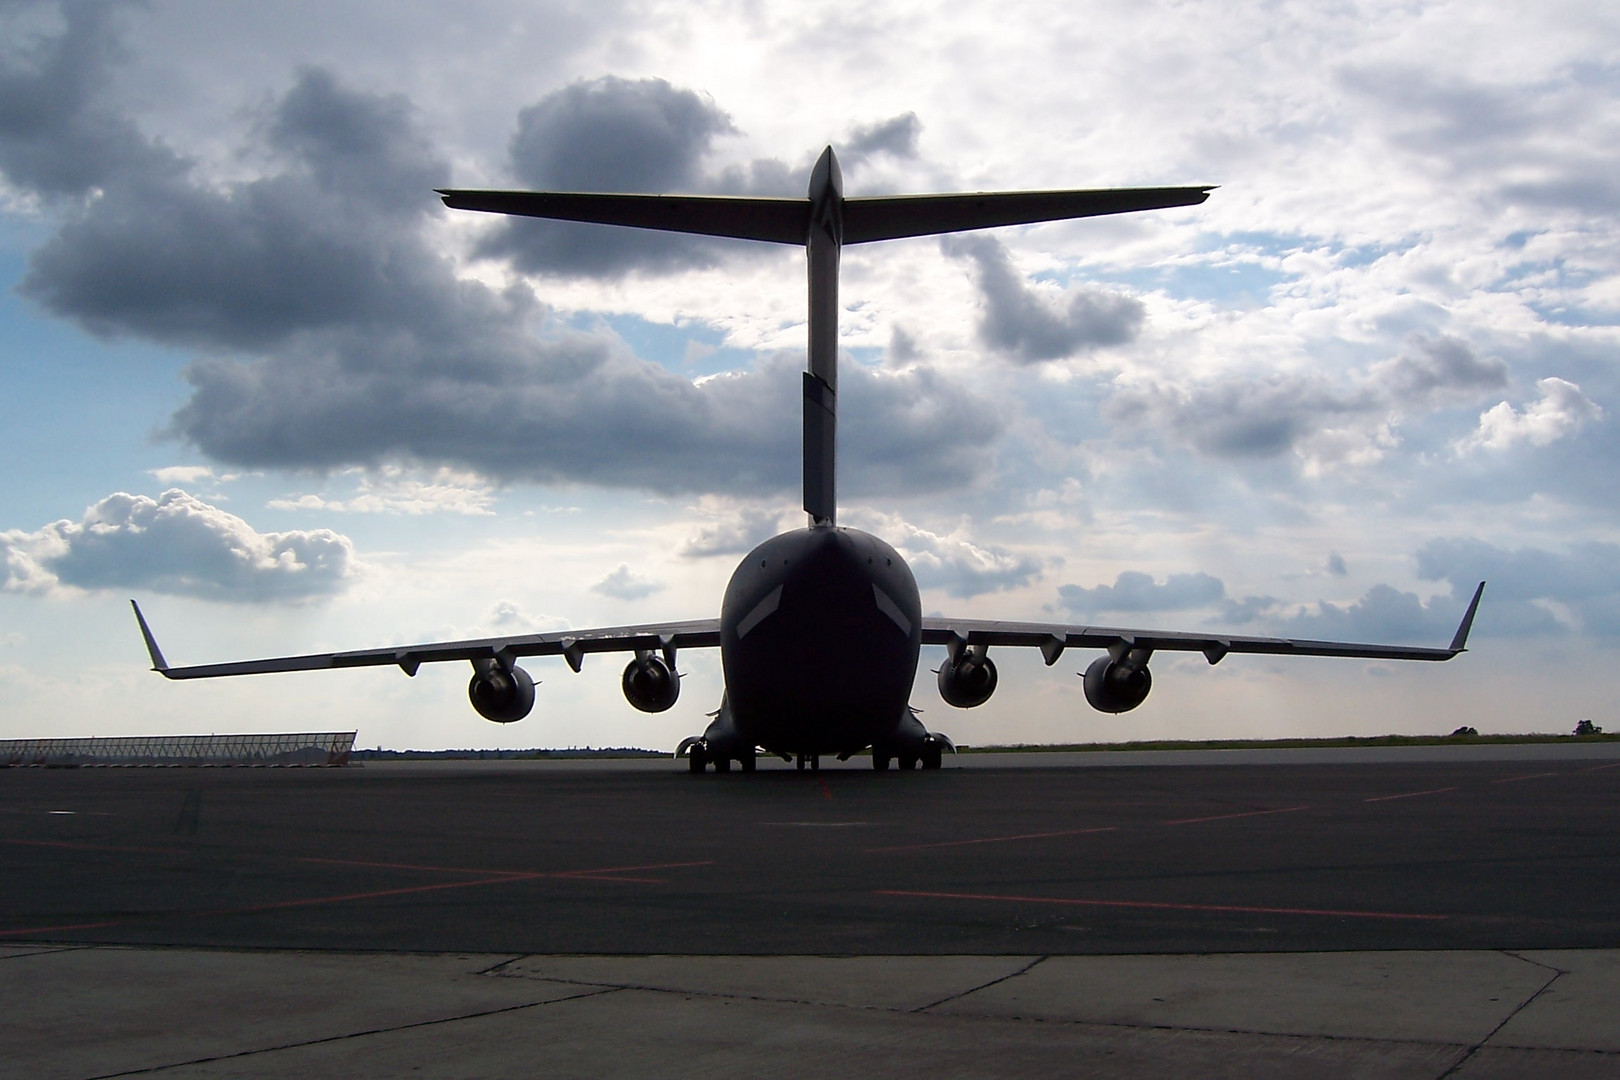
(1434, 912)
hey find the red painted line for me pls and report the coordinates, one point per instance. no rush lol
(1600, 768)
(49, 929)
(97, 847)
(1162, 906)
(992, 839)
(412, 866)
(313, 901)
(1229, 817)
(628, 869)
(1410, 794)
(1530, 776)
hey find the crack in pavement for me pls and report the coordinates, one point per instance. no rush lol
(348, 1035)
(1557, 973)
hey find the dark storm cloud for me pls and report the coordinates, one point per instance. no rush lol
(56, 138)
(176, 544)
(330, 241)
(1135, 592)
(1438, 366)
(645, 136)
(610, 134)
(1029, 326)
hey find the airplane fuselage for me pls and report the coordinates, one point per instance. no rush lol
(819, 634)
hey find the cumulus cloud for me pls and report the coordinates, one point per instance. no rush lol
(951, 561)
(1561, 411)
(394, 490)
(177, 544)
(175, 475)
(626, 584)
(1531, 590)
(733, 532)
(1134, 591)
(1383, 614)
(1031, 325)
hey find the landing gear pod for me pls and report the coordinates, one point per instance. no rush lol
(499, 693)
(649, 684)
(1119, 684)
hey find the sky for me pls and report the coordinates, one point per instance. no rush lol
(253, 374)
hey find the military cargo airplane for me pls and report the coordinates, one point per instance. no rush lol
(820, 628)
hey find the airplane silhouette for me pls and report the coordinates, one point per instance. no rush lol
(820, 627)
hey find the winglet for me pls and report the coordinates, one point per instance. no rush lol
(1460, 642)
(159, 665)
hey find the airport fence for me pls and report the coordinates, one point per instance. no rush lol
(305, 749)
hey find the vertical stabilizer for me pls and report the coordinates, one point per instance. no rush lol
(823, 244)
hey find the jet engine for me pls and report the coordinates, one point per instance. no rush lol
(499, 693)
(968, 678)
(1119, 684)
(649, 684)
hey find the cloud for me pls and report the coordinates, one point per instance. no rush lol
(394, 490)
(736, 531)
(895, 137)
(952, 562)
(625, 584)
(1383, 614)
(336, 336)
(1030, 325)
(175, 475)
(177, 544)
(1134, 591)
(1531, 590)
(1336, 566)
(56, 138)
(1352, 420)
(1561, 411)
(611, 134)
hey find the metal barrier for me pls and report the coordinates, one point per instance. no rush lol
(305, 749)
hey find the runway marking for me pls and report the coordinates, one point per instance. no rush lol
(992, 839)
(1600, 768)
(1229, 817)
(410, 866)
(1530, 776)
(610, 873)
(49, 929)
(1410, 794)
(1160, 905)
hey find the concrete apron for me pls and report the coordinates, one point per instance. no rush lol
(80, 1012)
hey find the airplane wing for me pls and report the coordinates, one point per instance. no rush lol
(571, 645)
(1053, 638)
(787, 221)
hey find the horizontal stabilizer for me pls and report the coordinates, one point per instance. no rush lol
(787, 221)
(892, 217)
(779, 221)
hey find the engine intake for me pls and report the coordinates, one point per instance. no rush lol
(649, 684)
(967, 679)
(500, 694)
(1116, 685)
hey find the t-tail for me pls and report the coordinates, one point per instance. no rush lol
(823, 222)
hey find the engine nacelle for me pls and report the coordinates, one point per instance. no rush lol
(969, 679)
(649, 685)
(1116, 686)
(499, 694)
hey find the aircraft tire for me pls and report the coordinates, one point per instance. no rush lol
(931, 756)
(696, 759)
(749, 761)
(880, 762)
(907, 763)
(722, 764)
